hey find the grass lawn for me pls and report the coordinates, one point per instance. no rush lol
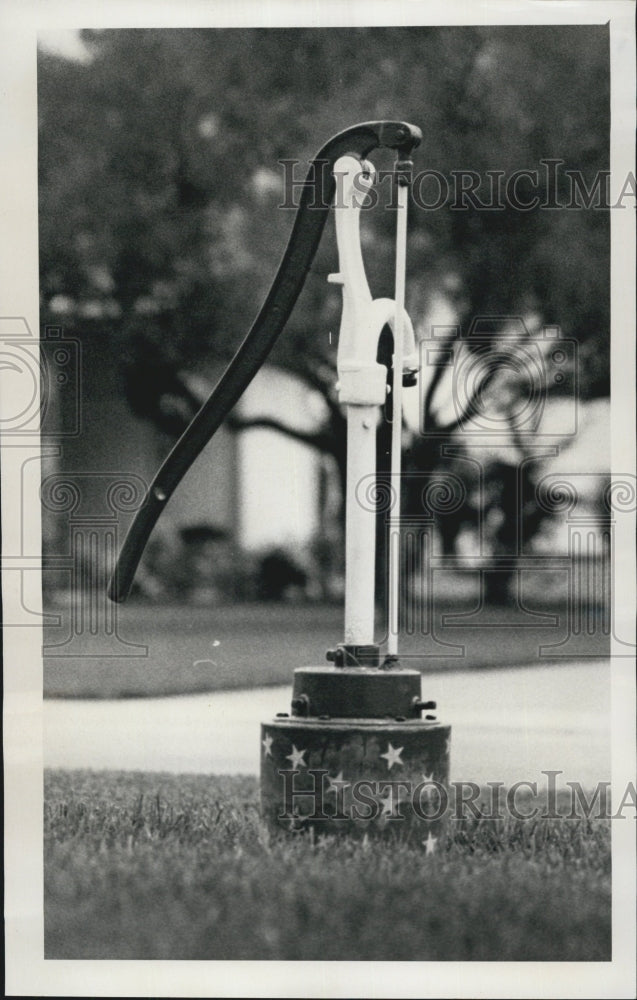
(141, 866)
(193, 649)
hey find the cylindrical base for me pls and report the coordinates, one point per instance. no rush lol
(358, 776)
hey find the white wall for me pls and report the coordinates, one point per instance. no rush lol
(278, 478)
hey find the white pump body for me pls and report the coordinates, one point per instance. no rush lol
(362, 387)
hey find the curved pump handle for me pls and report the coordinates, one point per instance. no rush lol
(316, 198)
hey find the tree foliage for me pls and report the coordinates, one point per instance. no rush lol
(161, 190)
(159, 178)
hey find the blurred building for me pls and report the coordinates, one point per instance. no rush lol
(253, 489)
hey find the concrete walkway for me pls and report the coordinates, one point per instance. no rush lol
(508, 725)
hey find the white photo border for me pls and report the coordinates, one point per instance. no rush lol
(27, 973)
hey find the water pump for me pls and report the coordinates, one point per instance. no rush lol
(359, 751)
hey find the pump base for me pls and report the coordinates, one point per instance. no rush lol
(356, 776)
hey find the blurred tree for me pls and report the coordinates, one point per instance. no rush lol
(160, 185)
(159, 178)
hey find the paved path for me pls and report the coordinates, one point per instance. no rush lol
(508, 725)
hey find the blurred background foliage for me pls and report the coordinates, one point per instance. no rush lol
(161, 188)
(159, 178)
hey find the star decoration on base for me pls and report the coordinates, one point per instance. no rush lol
(335, 784)
(428, 780)
(295, 823)
(392, 756)
(297, 757)
(430, 843)
(267, 745)
(387, 806)
(388, 802)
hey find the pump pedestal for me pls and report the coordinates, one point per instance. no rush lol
(356, 756)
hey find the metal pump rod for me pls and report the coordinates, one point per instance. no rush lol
(397, 415)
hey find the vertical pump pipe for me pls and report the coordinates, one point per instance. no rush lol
(397, 412)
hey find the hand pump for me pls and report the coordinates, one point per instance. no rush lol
(355, 736)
